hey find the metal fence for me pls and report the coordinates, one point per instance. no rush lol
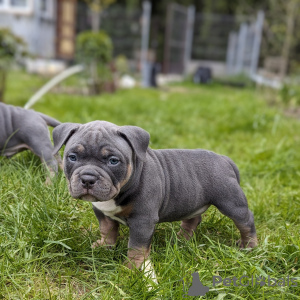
(121, 24)
(211, 33)
(244, 47)
(180, 37)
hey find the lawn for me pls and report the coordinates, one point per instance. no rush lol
(46, 236)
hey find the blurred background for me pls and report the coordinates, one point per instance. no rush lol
(129, 42)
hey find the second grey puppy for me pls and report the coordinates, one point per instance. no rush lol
(22, 129)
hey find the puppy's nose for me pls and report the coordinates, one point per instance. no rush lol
(88, 180)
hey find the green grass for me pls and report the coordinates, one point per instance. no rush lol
(46, 236)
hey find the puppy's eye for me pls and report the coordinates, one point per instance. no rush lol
(113, 161)
(72, 157)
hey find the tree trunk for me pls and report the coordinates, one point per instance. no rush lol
(95, 19)
(95, 84)
(290, 25)
(2, 84)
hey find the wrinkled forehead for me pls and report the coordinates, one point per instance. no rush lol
(96, 136)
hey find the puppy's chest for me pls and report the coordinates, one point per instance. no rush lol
(111, 210)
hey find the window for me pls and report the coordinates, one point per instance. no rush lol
(16, 6)
(18, 3)
(43, 5)
(46, 9)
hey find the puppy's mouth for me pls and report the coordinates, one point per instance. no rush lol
(91, 195)
(89, 198)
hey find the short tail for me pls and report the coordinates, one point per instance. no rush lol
(234, 167)
(50, 121)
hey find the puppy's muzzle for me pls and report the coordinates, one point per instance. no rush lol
(88, 180)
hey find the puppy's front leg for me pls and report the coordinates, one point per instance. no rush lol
(109, 230)
(140, 236)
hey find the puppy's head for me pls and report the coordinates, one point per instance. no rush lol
(98, 157)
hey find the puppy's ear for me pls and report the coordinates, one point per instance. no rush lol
(137, 138)
(62, 133)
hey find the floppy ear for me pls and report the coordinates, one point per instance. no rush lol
(62, 133)
(137, 138)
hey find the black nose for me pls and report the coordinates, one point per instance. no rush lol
(88, 180)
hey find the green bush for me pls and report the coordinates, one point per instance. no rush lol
(290, 94)
(11, 47)
(121, 64)
(94, 47)
(94, 50)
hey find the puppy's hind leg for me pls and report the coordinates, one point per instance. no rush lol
(247, 230)
(235, 207)
(59, 161)
(188, 227)
(47, 159)
(39, 143)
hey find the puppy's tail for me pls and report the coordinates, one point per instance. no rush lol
(50, 121)
(234, 167)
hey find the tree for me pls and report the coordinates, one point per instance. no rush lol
(96, 7)
(293, 7)
(94, 50)
(12, 47)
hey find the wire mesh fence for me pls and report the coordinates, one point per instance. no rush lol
(179, 37)
(211, 33)
(175, 38)
(121, 24)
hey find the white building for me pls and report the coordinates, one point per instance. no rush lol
(47, 26)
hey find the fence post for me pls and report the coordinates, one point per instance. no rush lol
(257, 40)
(145, 43)
(231, 53)
(241, 48)
(189, 37)
(168, 32)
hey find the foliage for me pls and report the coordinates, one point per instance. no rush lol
(99, 5)
(94, 49)
(96, 7)
(46, 236)
(277, 15)
(11, 47)
(290, 94)
(121, 64)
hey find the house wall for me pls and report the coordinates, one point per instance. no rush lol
(38, 29)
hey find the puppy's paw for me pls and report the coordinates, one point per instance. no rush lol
(96, 244)
(134, 263)
(145, 267)
(249, 243)
(50, 178)
(129, 264)
(48, 181)
(102, 242)
(184, 234)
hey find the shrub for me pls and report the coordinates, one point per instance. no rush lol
(94, 49)
(12, 47)
(290, 94)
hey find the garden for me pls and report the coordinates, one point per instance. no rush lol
(46, 236)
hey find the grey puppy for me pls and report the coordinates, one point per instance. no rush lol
(129, 183)
(22, 129)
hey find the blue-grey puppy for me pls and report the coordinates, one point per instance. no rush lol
(129, 183)
(22, 129)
